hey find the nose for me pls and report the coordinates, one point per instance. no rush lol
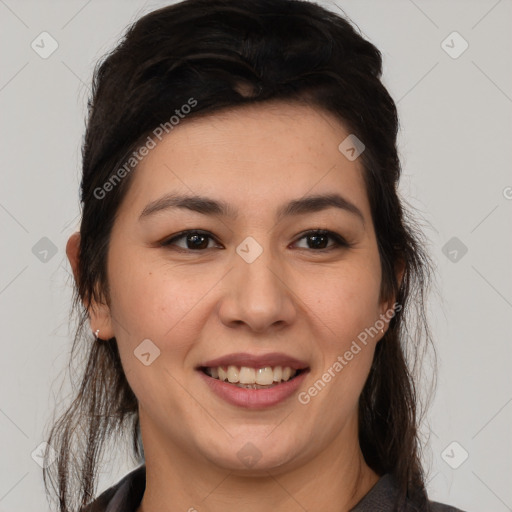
(257, 295)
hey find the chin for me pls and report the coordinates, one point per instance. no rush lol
(255, 454)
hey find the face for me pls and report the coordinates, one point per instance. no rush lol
(246, 272)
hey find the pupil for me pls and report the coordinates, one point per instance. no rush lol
(316, 239)
(198, 241)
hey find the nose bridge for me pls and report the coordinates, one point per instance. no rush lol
(257, 294)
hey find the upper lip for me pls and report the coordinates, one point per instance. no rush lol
(255, 361)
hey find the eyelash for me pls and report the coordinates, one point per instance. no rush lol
(339, 241)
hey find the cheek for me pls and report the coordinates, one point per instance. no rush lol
(346, 300)
(151, 298)
(345, 305)
(151, 301)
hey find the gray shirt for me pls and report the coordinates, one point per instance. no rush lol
(126, 495)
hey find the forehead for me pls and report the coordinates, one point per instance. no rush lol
(262, 155)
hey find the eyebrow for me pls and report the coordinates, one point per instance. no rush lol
(208, 206)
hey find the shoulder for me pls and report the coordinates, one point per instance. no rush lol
(382, 496)
(124, 496)
(440, 507)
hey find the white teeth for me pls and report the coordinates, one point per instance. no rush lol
(265, 376)
(247, 375)
(233, 374)
(223, 375)
(287, 373)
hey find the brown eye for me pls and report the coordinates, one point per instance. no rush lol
(194, 240)
(318, 240)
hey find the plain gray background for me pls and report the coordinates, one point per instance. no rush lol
(455, 144)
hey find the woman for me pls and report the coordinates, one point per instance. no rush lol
(247, 270)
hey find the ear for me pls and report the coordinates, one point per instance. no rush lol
(399, 272)
(99, 313)
(389, 305)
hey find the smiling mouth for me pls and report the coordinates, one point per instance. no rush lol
(253, 378)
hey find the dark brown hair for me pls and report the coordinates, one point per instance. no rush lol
(226, 54)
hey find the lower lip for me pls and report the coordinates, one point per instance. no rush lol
(254, 398)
